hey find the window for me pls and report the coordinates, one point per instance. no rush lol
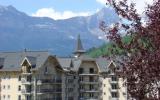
(104, 93)
(4, 87)
(114, 78)
(114, 95)
(4, 96)
(104, 85)
(8, 96)
(91, 78)
(91, 95)
(91, 70)
(81, 94)
(8, 86)
(81, 78)
(91, 87)
(81, 87)
(29, 78)
(28, 97)
(19, 88)
(19, 78)
(114, 86)
(19, 97)
(81, 70)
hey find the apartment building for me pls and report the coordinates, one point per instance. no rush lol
(38, 75)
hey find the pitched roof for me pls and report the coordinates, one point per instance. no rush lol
(65, 62)
(13, 60)
(103, 64)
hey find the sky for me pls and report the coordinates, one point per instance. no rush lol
(62, 9)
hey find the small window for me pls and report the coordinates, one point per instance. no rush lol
(104, 93)
(81, 70)
(81, 78)
(104, 85)
(91, 95)
(8, 96)
(91, 79)
(91, 87)
(81, 87)
(114, 95)
(4, 96)
(81, 94)
(19, 97)
(19, 88)
(91, 70)
(4, 86)
(8, 86)
(19, 78)
(114, 86)
(114, 78)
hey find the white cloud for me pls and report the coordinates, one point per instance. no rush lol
(102, 1)
(140, 4)
(50, 12)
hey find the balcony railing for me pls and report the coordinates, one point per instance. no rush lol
(25, 91)
(91, 90)
(113, 81)
(85, 74)
(56, 98)
(50, 91)
(51, 81)
(26, 73)
(90, 98)
(89, 82)
(25, 81)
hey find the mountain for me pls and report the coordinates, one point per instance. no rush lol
(19, 31)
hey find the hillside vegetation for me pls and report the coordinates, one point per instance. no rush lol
(106, 49)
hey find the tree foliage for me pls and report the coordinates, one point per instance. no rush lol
(142, 54)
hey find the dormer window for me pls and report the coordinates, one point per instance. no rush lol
(33, 66)
(91, 70)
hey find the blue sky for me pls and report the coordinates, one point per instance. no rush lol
(30, 6)
(60, 9)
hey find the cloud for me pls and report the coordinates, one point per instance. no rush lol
(140, 4)
(103, 2)
(52, 13)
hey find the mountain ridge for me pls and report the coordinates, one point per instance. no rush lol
(19, 31)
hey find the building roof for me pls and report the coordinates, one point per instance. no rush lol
(103, 64)
(12, 60)
(65, 62)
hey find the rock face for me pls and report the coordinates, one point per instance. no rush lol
(19, 31)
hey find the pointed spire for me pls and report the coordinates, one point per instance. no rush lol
(79, 48)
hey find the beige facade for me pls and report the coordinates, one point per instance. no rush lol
(32, 75)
